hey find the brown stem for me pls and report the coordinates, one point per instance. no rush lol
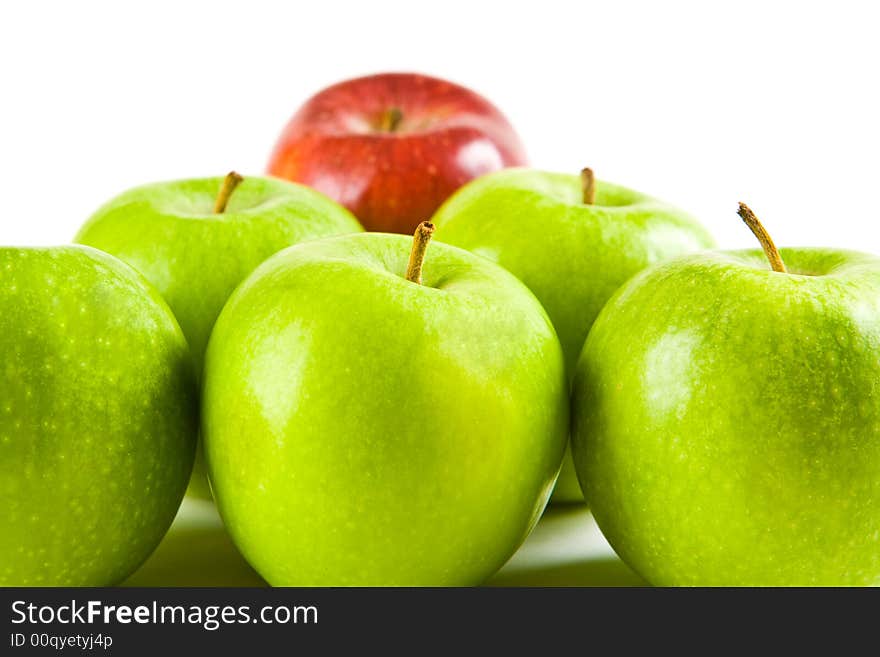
(390, 119)
(588, 186)
(763, 236)
(417, 255)
(230, 182)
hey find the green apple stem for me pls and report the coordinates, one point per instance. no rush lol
(417, 255)
(230, 182)
(390, 120)
(588, 186)
(763, 236)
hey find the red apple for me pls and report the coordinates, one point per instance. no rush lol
(393, 147)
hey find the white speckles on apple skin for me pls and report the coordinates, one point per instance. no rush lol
(100, 443)
(768, 473)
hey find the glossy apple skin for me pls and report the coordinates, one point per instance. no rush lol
(98, 418)
(361, 429)
(571, 255)
(727, 420)
(394, 180)
(195, 258)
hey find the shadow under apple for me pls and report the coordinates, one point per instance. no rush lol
(599, 572)
(196, 551)
(566, 549)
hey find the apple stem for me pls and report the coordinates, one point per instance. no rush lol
(417, 255)
(588, 186)
(763, 236)
(230, 182)
(391, 119)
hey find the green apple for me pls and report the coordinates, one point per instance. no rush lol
(727, 419)
(573, 241)
(98, 417)
(196, 240)
(361, 428)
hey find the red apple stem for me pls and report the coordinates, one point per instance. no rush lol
(588, 186)
(391, 119)
(763, 236)
(230, 182)
(417, 255)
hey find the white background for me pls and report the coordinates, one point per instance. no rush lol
(773, 103)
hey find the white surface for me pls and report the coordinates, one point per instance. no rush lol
(773, 103)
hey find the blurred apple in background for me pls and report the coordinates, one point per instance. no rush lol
(393, 147)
